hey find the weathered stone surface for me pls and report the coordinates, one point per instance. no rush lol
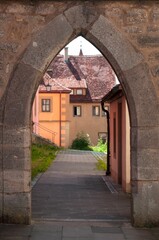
(155, 14)
(1, 181)
(19, 8)
(155, 71)
(148, 41)
(81, 17)
(16, 157)
(144, 97)
(154, 56)
(47, 8)
(48, 43)
(153, 28)
(17, 181)
(135, 16)
(19, 96)
(1, 207)
(17, 136)
(145, 165)
(123, 52)
(145, 203)
(145, 138)
(17, 208)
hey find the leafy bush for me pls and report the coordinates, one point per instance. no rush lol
(81, 142)
(100, 147)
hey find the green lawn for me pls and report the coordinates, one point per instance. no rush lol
(42, 157)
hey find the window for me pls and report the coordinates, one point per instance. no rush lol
(45, 105)
(79, 92)
(77, 111)
(95, 110)
(72, 92)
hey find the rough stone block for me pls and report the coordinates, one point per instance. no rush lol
(145, 204)
(135, 16)
(148, 41)
(155, 14)
(1, 200)
(81, 17)
(142, 99)
(19, 8)
(145, 137)
(17, 208)
(145, 164)
(17, 181)
(155, 71)
(154, 56)
(48, 43)
(16, 157)
(17, 136)
(46, 8)
(107, 37)
(19, 97)
(1, 180)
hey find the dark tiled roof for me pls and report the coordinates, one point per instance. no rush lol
(91, 72)
(55, 85)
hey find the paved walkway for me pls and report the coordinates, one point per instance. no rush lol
(72, 188)
(74, 201)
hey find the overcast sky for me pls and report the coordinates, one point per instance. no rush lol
(80, 42)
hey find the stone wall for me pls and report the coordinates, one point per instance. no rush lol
(138, 22)
(31, 34)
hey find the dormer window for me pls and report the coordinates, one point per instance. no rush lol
(79, 92)
(72, 92)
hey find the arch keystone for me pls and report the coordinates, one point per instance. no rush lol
(81, 17)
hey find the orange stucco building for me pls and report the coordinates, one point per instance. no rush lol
(72, 103)
(119, 137)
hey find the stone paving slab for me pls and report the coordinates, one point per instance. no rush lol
(77, 230)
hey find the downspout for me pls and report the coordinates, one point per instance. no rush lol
(108, 141)
(60, 122)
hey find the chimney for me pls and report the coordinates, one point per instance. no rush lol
(66, 54)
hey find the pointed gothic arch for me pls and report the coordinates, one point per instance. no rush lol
(134, 76)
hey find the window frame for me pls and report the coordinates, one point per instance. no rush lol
(77, 115)
(45, 105)
(80, 89)
(94, 111)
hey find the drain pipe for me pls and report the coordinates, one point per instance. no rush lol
(108, 141)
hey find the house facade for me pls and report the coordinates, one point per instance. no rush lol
(119, 137)
(72, 105)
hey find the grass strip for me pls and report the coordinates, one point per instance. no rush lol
(42, 157)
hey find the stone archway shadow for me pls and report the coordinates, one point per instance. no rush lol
(133, 74)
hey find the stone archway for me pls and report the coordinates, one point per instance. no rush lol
(134, 76)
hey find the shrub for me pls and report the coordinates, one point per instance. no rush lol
(81, 142)
(100, 147)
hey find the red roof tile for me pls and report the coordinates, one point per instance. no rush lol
(91, 72)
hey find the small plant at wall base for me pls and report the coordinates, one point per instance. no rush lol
(81, 142)
(101, 165)
(100, 147)
(42, 157)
